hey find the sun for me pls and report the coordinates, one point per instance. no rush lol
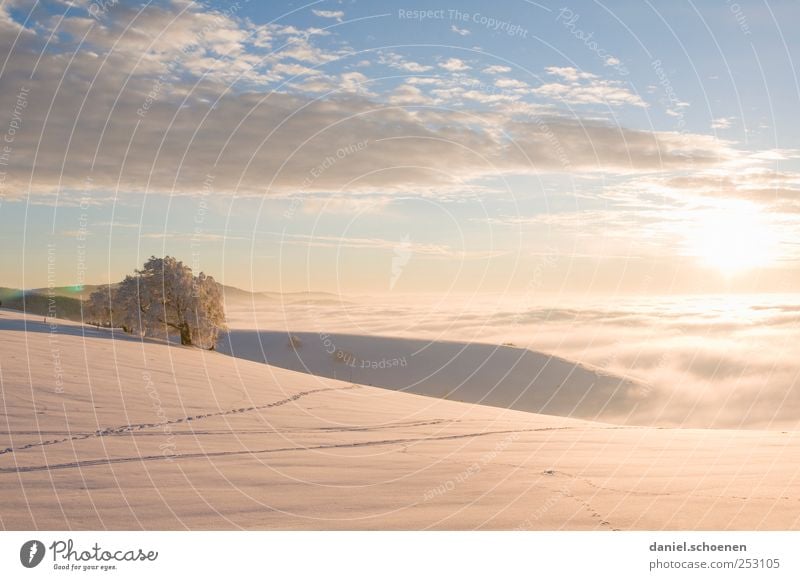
(733, 240)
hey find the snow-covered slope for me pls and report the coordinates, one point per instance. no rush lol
(501, 376)
(116, 433)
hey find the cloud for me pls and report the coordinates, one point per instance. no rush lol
(586, 88)
(344, 242)
(187, 94)
(189, 236)
(409, 94)
(334, 14)
(255, 143)
(396, 61)
(569, 73)
(703, 361)
(505, 83)
(497, 69)
(751, 180)
(601, 92)
(294, 69)
(722, 123)
(341, 203)
(459, 31)
(454, 65)
(355, 82)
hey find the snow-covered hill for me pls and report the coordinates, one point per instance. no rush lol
(100, 432)
(500, 376)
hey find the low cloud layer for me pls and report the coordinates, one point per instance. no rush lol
(704, 362)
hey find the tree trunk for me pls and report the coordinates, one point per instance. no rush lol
(186, 334)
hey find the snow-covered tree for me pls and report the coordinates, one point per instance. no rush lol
(98, 308)
(164, 298)
(209, 314)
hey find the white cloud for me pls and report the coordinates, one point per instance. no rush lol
(487, 97)
(586, 88)
(748, 178)
(294, 69)
(459, 31)
(601, 93)
(569, 73)
(408, 94)
(722, 123)
(396, 61)
(454, 65)
(195, 96)
(334, 14)
(301, 48)
(497, 69)
(703, 361)
(423, 81)
(343, 203)
(776, 154)
(355, 82)
(341, 242)
(510, 84)
(414, 67)
(316, 84)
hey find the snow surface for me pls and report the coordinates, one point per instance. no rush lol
(472, 372)
(100, 432)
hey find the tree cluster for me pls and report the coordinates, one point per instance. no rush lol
(163, 299)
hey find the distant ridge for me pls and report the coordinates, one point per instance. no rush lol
(42, 302)
(65, 301)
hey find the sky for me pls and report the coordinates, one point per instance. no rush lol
(555, 148)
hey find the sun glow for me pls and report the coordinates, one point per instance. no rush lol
(733, 239)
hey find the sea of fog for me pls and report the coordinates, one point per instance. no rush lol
(710, 361)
